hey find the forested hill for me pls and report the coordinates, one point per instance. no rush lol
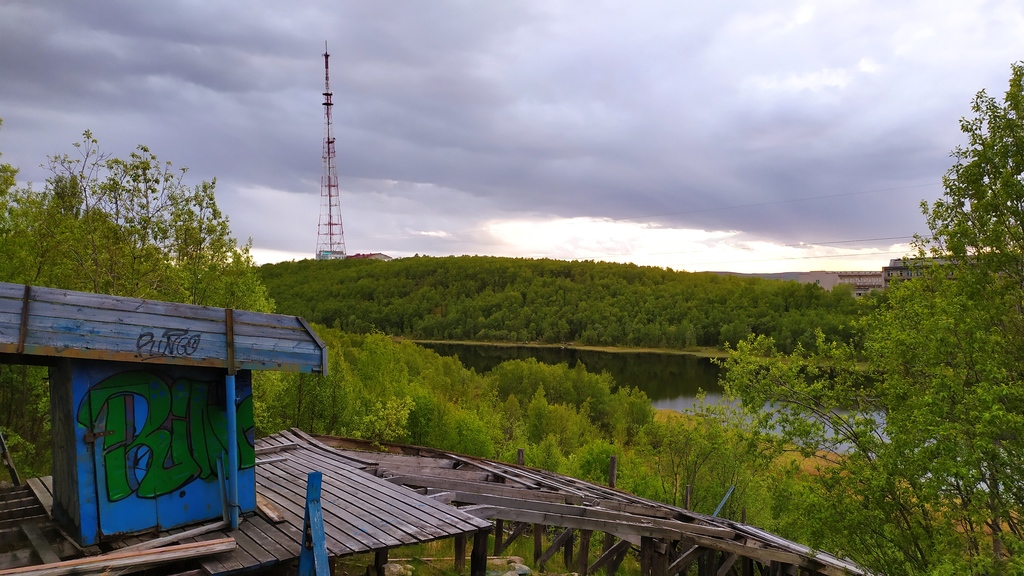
(522, 300)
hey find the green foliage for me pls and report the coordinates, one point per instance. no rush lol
(919, 455)
(129, 227)
(591, 303)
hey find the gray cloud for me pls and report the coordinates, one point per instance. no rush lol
(674, 111)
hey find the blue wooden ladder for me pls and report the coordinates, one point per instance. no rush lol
(313, 557)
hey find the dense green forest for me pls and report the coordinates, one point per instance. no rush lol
(552, 301)
(890, 431)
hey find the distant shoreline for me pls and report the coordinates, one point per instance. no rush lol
(697, 352)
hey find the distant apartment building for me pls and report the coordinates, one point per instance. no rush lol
(862, 281)
(900, 269)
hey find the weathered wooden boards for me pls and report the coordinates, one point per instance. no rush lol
(668, 539)
(46, 322)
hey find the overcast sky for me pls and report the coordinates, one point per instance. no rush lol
(749, 136)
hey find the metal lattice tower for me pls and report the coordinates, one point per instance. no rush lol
(330, 243)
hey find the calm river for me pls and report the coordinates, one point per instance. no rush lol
(670, 380)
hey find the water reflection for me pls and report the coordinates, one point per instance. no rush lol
(670, 380)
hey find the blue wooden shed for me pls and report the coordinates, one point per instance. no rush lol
(150, 402)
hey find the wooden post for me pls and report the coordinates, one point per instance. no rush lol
(478, 558)
(538, 542)
(460, 554)
(609, 540)
(659, 564)
(646, 555)
(746, 567)
(567, 551)
(743, 515)
(689, 492)
(499, 533)
(380, 558)
(521, 457)
(583, 556)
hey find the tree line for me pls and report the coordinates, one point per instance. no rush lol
(523, 300)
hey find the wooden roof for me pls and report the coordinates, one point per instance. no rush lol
(39, 324)
(496, 490)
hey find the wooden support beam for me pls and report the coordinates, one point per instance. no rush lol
(746, 567)
(567, 551)
(615, 522)
(555, 546)
(607, 556)
(683, 563)
(380, 558)
(646, 556)
(518, 531)
(613, 566)
(583, 555)
(520, 457)
(499, 533)
(612, 471)
(460, 554)
(728, 563)
(538, 543)
(478, 558)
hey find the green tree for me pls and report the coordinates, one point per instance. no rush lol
(919, 455)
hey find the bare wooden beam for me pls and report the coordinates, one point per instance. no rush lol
(516, 533)
(683, 563)
(555, 547)
(727, 564)
(499, 533)
(664, 528)
(608, 555)
(538, 543)
(42, 547)
(567, 550)
(460, 553)
(380, 558)
(478, 558)
(583, 554)
(117, 560)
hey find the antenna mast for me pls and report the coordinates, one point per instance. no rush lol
(330, 243)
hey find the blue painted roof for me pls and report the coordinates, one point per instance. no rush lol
(42, 323)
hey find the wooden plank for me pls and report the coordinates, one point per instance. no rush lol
(341, 521)
(116, 560)
(727, 564)
(177, 537)
(264, 450)
(520, 528)
(42, 547)
(284, 547)
(370, 489)
(259, 553)
(625, 530)
(390, 516)
(556, 545)
(268, 509)
(43, 495)
(435, 472)
(491, 488)
(608, 555)
(595, 513)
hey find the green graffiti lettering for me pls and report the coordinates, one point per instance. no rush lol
(181, 436)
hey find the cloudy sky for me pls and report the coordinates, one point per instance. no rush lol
(733, 135)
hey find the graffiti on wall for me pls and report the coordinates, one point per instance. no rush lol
(156, 435)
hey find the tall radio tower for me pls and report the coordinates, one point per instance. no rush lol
(330, 243)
